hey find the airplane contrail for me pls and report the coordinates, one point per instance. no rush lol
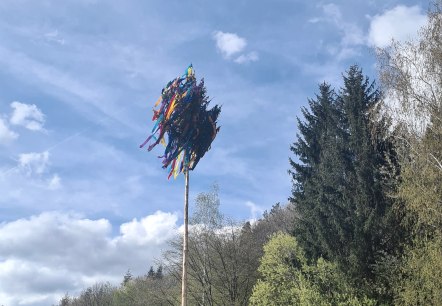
(4, 173)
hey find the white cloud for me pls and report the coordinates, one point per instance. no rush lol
(332, 10)
(157, 227)
(93, 177)
(314, 20)
(246, 58)
(54, 36)
(229, 43)
(352, 34)
(255, 210)
(85, 96)
(69, 252)
(6, 135)
(400, 23)
(55, 182)
(27, 115)
(346, 53)
(33, 163)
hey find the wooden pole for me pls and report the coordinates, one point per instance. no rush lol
(185, 239)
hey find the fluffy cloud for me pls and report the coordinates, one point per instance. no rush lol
(27, 115)
(54, 37)
(6, 135)
(255, 210)
(88, 176)
(352, 35)
(400, 23)
(69, 252)
(54, 182)
(33, 163)
(31, 178)
(332, 10)
(229, 43)
(246, 58)
(153, 228)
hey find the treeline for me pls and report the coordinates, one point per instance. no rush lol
(364, 223)
(224, 257)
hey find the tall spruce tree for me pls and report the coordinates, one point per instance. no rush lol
(340, 184)
(320, 122)
(363, 196)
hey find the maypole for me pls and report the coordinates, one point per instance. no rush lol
(184, 125)
(185, 240)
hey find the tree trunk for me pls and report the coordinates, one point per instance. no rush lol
(185, 240)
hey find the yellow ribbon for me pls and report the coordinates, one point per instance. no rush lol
(158, 101)
(163, 142)
(176, 171)
(172, 107)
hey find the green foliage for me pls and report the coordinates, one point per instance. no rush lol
(97, 295)
(282, 281)
(421, 190)
(148, 290)
(421, 187)
(151, 272)
(347, 167)
(421, 275)
(321, 123)
(133, 291)
(223, 261)
(364, 203)
(65, 300)
(287, 278)
(127, 278)
(411, 74)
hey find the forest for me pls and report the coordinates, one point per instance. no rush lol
(363, 225)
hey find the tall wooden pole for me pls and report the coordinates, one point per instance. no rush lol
(185, 239)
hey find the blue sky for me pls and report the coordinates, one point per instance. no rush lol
(78, 82)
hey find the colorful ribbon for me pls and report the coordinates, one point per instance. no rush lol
(183, 124)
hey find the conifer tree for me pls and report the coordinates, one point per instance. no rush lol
(159, 273)
(340, 185)
(151, 272)
(320, 120)
(127, 278)
(363, 199)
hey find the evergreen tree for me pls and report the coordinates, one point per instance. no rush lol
(371, 176)
(127, 278)
(65, 300)
(320, 121)
(159, 273)
(363, 199)
(151, 273)
(340, 184)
